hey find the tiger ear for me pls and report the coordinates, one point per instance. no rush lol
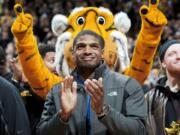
(122, 22)
(59, 24)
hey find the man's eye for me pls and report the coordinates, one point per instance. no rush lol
(51, 61)
(80, 47)
(95, 46)
(171, 54)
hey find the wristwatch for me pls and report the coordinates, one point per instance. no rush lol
(104, 112)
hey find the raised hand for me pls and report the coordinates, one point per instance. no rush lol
(95, 89)
(152, 16)
(153, 21)
(22, 26)
(68, 97)
(17, 71)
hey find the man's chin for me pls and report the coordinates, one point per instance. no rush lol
(88, 66)
(55, 73)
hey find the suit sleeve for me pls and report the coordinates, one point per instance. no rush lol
(50, 123)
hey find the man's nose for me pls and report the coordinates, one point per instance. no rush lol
(178, 56)
(87, 49)
(53, 67)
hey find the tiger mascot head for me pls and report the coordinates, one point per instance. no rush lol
(100, 20)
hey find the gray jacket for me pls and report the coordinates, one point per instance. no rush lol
(126, 114)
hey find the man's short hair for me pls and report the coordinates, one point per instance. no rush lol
(43, 49)
(163, 48)
(92, 33)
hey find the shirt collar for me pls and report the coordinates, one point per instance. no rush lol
(99, 72)
(173, 89)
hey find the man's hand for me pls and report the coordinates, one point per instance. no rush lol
(17, 70)
(95, 89)
(68, 97)
(22, 26)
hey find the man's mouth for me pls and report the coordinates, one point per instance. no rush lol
(88, 58)
(178, 62)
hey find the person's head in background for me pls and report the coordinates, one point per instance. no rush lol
(47, 53)
(169, 54)
(10, 51)
(10, 48)
(10, 68)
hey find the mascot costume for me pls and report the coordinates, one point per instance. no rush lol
(100, 20)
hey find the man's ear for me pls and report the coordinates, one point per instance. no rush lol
(102, 55)
(72, 51)
(73, 57)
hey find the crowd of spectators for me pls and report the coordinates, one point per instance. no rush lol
(44, 10)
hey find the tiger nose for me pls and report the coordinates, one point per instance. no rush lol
(91, 23)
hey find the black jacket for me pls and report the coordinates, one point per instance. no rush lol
(13, 116)
(157, 100)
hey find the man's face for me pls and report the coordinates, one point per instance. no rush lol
(172, 59)
(49, 60)
(87, 52)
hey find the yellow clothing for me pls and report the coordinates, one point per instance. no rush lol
(39, 77)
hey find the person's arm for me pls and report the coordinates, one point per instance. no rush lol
(39, 77)
(55, 122)
(153, 21)
(51, 123)
(132, 120)
(13, 115)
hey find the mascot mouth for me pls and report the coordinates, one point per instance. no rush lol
(144, 11)
(110, 28)
(70, 27)
(152, 23)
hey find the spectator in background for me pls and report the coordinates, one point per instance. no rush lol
(164, 100)
(47, 53)
(13, 116)
(33, 103)
(5, 23)
(11, 69)
(10, 51)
